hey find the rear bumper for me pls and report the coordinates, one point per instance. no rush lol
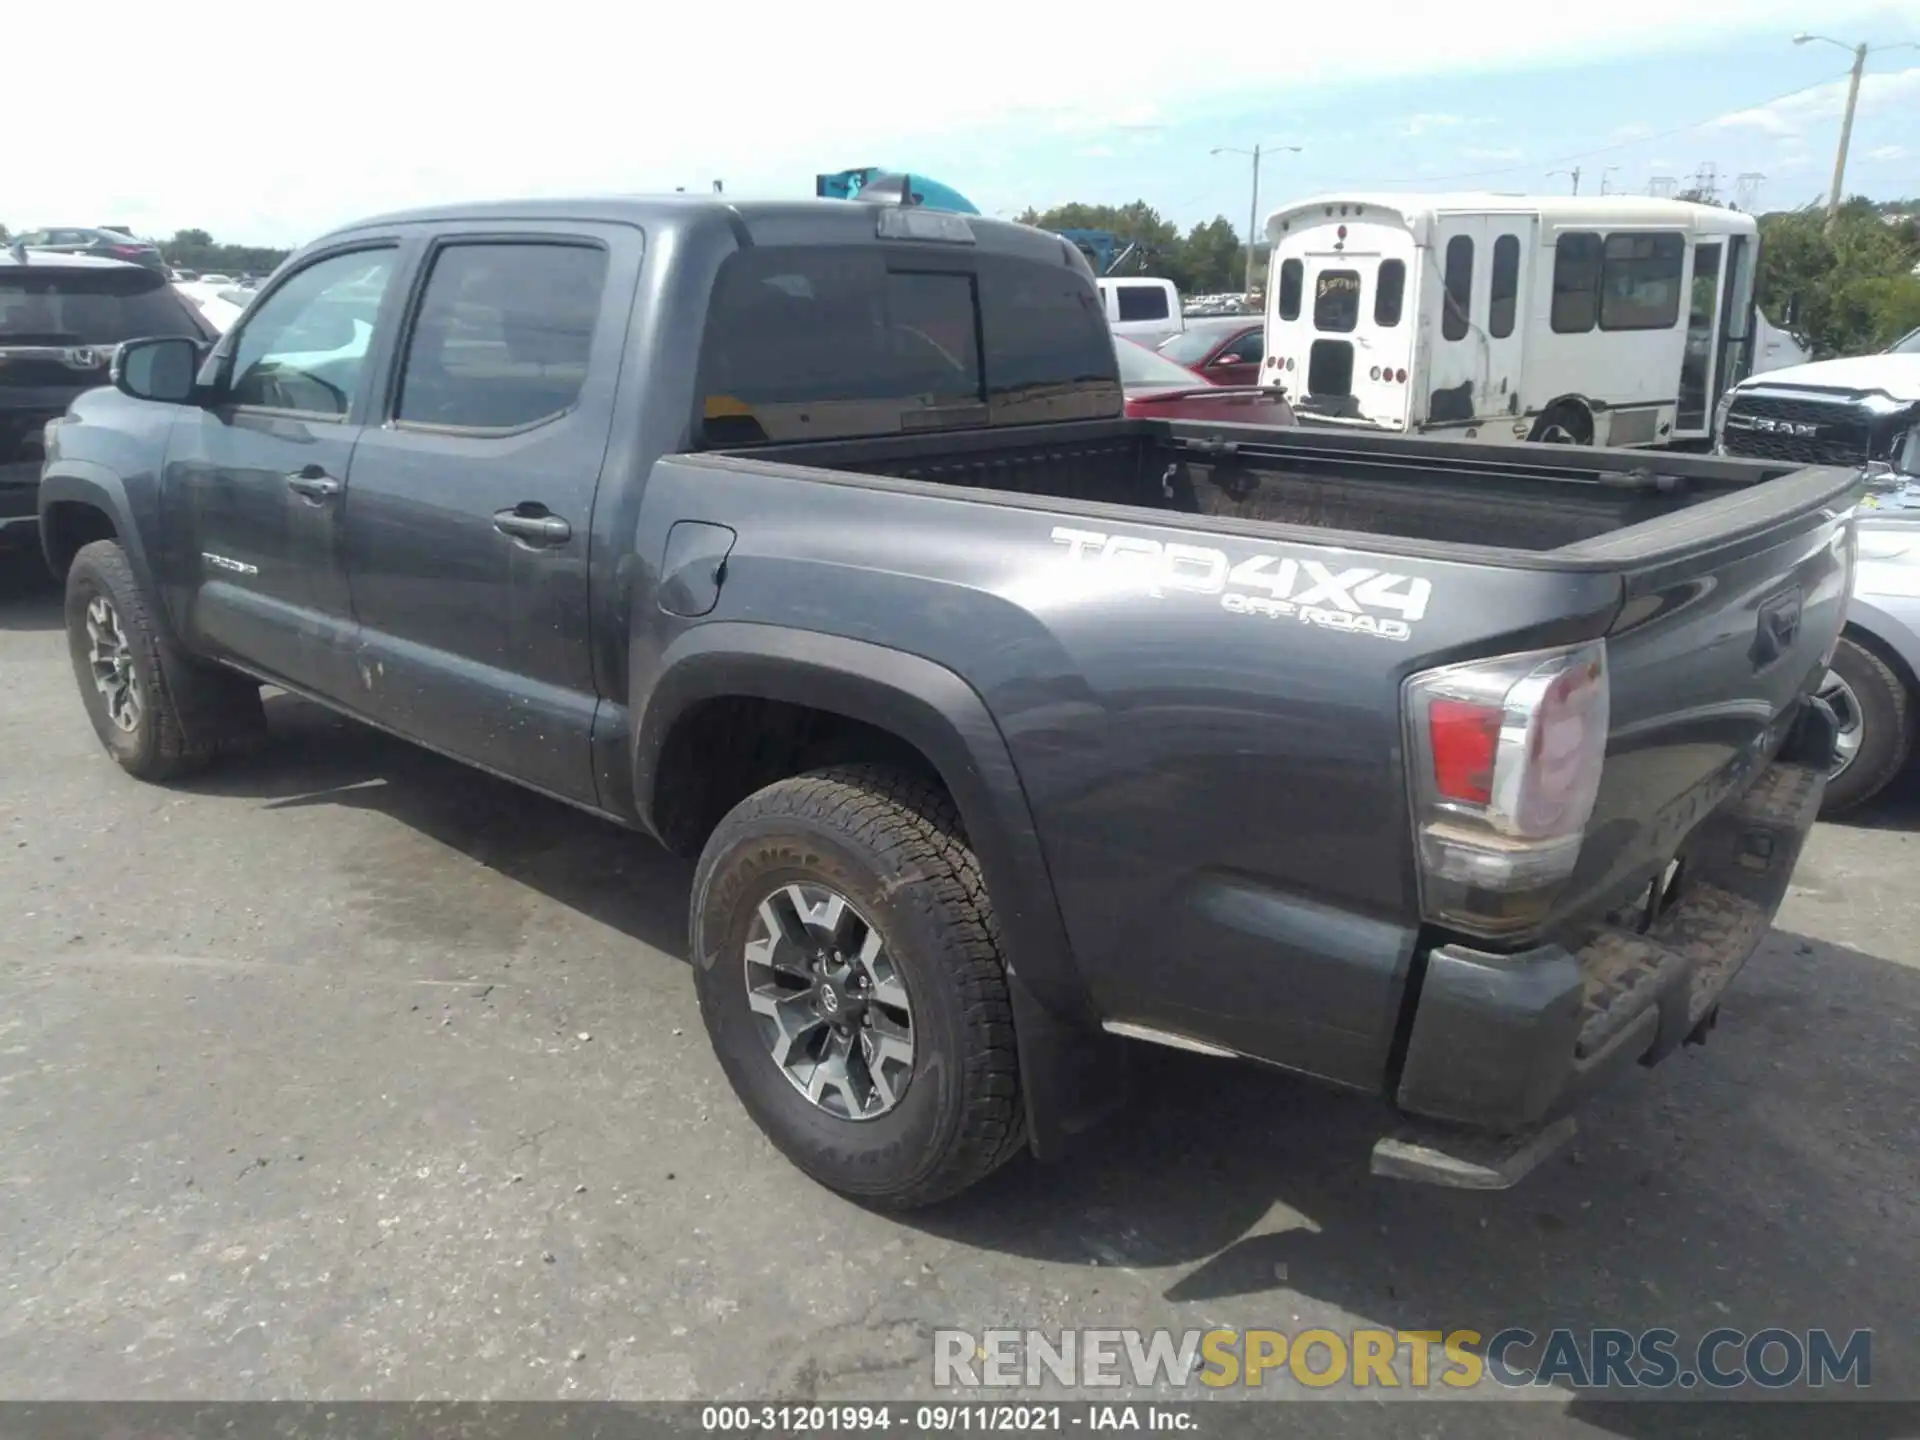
(1510, 1043)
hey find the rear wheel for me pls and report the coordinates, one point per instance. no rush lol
(1563, 424)
(849, 974)
(158, 722)
(1876, 726)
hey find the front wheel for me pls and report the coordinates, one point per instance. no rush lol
(1875, 726)
(850, 977)
(156, 723)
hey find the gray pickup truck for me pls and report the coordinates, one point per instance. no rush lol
(811, 539)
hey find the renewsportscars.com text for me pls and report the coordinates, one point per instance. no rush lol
(1657, 1359)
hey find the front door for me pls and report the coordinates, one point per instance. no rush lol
(468, 511)
(254, 480)
(1697, 361)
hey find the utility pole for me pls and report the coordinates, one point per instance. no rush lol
(1253, 219)
(1253, 205)
(1860, 53)
(1573, 175)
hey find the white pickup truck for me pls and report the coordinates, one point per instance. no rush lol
(1142, 308)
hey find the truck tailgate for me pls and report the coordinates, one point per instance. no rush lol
(1714, 645)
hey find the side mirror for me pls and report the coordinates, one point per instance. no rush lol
(156, 369)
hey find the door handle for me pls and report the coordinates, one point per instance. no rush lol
(313, 483)
(540, 529)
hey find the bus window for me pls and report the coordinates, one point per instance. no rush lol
(1506, 286)
(1576, 282)
(1389, 293)
(1290, 277)
(1336, 301)
(1459, 288)
(1640, 284)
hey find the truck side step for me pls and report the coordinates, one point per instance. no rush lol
(1466, 1159)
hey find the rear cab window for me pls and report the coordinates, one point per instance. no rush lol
(844, 341)
(1142, 302)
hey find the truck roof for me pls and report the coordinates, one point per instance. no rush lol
(1417, 210)
(764, 222)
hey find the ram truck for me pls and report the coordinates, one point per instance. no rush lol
(811, 539)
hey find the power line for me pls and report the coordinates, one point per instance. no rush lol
(1534, 165)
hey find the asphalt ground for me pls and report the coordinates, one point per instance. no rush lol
(345, 1072)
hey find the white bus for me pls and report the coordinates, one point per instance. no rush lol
(1608, 320)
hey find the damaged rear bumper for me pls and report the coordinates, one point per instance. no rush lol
(1503, 1047)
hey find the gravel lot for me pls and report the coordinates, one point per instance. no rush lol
(347, 1072)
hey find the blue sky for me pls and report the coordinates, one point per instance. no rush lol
(1623, 121)
(300, 122)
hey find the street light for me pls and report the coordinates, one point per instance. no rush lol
(1253, 207)
(1603, 177)
(1860, 53)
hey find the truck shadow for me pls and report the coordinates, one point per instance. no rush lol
(1761, 1180)
(314, 757)
(1766, 1179)
(30, 599)
(1895, 808)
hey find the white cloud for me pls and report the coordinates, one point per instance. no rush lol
(1824, 104)
(1480, 152)
(311, 120)
(1415, 126)
(1887, 152)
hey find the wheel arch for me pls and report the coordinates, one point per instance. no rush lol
(80, 503)
(916, 712)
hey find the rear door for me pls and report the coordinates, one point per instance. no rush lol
(468, 508)
(254, 481)
(1484, 264)
(1341, 332)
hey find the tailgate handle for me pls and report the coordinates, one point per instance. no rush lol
(1778, 628)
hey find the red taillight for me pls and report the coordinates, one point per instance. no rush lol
(1464, 739)
(1400, 377)
(126, 250)
(1507, 755)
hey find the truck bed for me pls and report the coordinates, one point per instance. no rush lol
(1530, 498)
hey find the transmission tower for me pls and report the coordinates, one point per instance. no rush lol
(1706, 183)
(1746, 190)
(1663, 187)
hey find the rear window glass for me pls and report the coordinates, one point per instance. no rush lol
(1336, 301)
(835, 342)
(1291, 276)
(1143, 302)
(98, 308)
(1389, 293)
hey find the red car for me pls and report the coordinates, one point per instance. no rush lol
(1158, 389)
(1227, 352)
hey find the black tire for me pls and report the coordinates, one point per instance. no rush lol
(891, 844)
(1886, 727)
(188, 713)
(1563, 424)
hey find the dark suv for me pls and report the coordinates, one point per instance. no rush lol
(93, 240)
(60, 318)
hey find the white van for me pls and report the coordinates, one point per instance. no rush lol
(1610, 320)
(1142, 308)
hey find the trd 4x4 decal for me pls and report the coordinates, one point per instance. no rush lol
(1358, 599)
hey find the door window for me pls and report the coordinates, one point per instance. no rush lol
(1249, 349)
(1640, 288)
(304, 349)
(1697, 363)
(1506, 286)
(1576, 282)
(1458, 288)
(503, 335)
